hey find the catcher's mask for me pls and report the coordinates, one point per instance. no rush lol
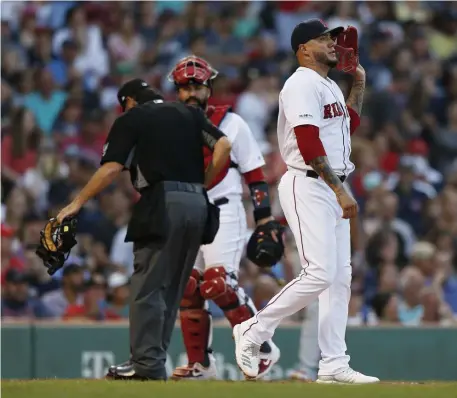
(192, 69)
(56, 242)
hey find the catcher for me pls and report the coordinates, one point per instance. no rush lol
(216, 270)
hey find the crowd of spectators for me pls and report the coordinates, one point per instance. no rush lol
(61, 66)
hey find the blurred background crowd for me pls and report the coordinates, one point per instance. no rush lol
(61, 66)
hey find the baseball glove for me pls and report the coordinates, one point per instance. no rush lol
(347, 49)
(56, 242)
(262, 250)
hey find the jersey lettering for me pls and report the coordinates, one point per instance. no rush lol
(327, 112)
(216, 114)
(333, 110)
(336, 109)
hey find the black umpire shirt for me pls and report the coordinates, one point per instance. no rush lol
(159, 141)
(165, 139)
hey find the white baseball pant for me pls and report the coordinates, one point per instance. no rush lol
(323, 241)
(228, 245)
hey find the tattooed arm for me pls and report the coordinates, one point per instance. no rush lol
(355, 99)
(322, 167)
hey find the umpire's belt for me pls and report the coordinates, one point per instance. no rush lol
(182, 186)
(313, 174)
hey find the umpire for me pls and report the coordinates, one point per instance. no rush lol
(161, 145)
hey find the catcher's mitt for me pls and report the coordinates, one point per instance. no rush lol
(262, 250)
(56, 242)
(347, 49)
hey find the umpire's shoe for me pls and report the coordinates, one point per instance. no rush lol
(125, 371)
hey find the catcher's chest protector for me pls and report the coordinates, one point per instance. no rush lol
(216, 114)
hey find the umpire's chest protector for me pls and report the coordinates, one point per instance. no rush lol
(149, 217)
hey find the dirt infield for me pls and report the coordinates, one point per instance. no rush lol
(219, 389)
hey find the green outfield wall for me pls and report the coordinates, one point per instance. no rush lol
(86, 351)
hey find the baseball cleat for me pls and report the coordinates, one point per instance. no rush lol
(196, 371)
(348, 376)
(247, 354)
(268, 360)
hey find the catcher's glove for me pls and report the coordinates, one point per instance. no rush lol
(262, 250)
(347, 49)
(56, 242)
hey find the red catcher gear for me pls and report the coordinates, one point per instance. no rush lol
(195, 321)
(214, 287)
(192, 69)
(192, 298)
(196, 333)
(216, 114)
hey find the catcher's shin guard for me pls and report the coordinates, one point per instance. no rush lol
(215, 287)
(195, 322)
(235, 303)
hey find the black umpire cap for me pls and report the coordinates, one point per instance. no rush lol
(139, 90)
(311, 29)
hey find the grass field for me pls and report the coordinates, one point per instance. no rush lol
(219, 389)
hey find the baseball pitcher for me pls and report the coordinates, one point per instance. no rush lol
(314, 135)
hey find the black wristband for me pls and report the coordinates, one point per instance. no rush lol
(260, 199)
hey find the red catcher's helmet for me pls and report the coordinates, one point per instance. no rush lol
(192, 69)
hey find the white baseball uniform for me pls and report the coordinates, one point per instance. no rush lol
(309, 352)
(315, 218)
(228, 246)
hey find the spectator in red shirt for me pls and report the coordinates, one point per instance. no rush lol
(92, 306)
(9, 260)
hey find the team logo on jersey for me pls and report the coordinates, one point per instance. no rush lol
(305, 116)
(259, 196)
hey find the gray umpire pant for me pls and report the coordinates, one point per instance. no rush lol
(159, 280)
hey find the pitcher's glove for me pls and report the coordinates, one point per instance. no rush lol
(347, 49)
(56, 242)
(262, 250)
